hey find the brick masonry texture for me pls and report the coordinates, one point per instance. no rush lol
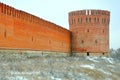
(89, 32)
(21, 30)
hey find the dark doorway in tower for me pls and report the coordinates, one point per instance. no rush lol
(103, 53)
(88, 54)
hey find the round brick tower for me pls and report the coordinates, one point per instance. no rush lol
(90, 32)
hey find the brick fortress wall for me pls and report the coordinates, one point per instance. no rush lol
(90, 31)
(21, 30)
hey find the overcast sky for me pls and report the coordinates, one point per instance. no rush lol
(56, 11)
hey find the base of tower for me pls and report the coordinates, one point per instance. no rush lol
(90, 54)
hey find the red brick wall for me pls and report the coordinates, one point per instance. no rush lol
(20, 30)
(90, 31)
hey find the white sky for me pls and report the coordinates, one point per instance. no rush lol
(56, 11)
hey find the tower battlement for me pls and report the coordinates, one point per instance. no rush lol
(89, 12)
(89, 17)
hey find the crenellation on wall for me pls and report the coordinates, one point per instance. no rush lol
(28, 17)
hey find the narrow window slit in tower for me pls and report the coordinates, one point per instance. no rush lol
(5, 34)
(88, 54)
(94, 19)
(103, 53)
(108, 21)
(32, 38)
(49, 41)
(89, 19)
(102, 20)
(96, 41)
(88, 30)
(103, 31)
(86, 19)
(82, 42)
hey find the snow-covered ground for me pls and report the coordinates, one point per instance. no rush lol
(21, 67)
